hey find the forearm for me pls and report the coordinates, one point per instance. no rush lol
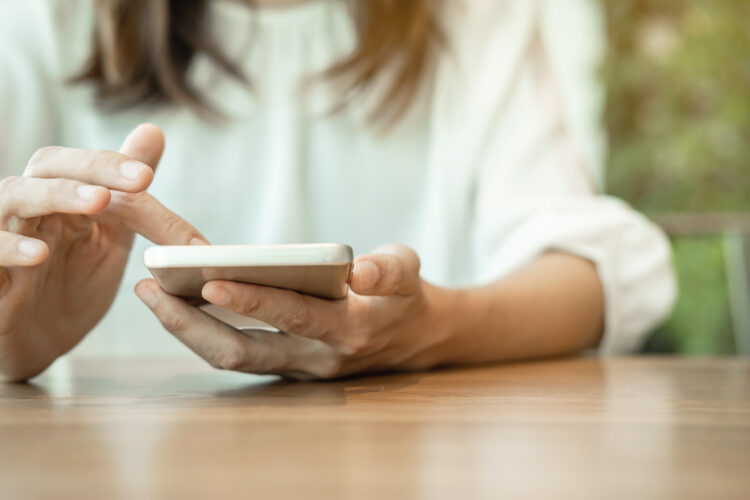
(552, 306)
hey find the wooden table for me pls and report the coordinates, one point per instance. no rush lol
(577, 428)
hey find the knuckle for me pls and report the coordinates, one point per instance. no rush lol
(231, 358)
(330, 367)
(8, 184)
(100, 158)
(355, 344)
(124, 198)
(250, 305)
(396, 271)
(48, 189)
(38, 157)
(300, 319)
(126, 204)
(171, 224)
(174, 322)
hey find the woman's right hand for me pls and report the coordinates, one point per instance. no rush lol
(66, 229)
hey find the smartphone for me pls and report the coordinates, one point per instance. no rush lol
(319, 269)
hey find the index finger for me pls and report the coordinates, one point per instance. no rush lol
(286, 310)
(221, 345)
(100, 167)
(145, 215)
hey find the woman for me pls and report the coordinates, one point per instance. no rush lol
(454, 128)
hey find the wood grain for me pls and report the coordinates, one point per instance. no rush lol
(575, 428)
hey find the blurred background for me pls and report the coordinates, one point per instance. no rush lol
(678, 120)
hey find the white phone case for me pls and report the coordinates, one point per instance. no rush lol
(319, 269)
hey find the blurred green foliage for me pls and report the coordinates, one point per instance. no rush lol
(678, 79)
(678, 120)
(701, 322)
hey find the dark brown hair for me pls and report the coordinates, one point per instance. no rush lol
(143, 49)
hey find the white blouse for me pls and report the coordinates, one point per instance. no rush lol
(497, 162)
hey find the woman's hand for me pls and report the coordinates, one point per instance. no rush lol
(390, 321)
(66, 228)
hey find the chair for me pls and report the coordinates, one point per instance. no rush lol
(735, 230)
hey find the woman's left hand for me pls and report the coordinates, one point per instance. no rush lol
(392, 321)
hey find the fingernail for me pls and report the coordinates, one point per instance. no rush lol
(86, 192)
(219, 296)
(198, 241)
(30, 248)
(147, 296)
(369, 274)
(131, 169)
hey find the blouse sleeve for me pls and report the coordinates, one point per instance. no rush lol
(537, 168)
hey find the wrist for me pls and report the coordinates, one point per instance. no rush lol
(458, 316)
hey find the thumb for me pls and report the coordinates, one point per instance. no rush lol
(144, 143)
(390, 269)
